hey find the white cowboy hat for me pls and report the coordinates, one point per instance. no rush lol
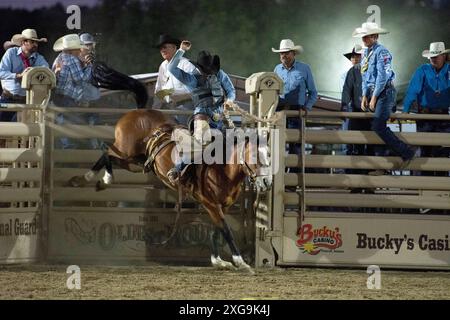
(287, 45)
(436, 49)
(367, 29)
(357, 49)
(27, 34)
(67, 42)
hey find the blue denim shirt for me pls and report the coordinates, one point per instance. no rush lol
(190, 79)
(379, 70)
(429, 88)
(12, 64)
(299, 87)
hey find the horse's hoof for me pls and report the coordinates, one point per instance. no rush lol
(246, 268)
(100, 186)
(220, 264)
(241, 265)
(77, 181)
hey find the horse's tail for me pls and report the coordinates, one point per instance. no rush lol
(108, 78)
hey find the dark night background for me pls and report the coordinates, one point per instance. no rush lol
(241, 32)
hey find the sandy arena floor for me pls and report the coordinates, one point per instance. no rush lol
(169, 282)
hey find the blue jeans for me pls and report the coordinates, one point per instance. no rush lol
(434, 151)
(384, 107)
(7, 116)
(294, 148)
(210, 113)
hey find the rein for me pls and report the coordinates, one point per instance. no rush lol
(228, 105)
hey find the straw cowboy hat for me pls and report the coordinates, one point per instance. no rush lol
(367, 29)
(67, 42)
(436, 49)
(287, 45)
(357, 49)
(27, 34)
(9, 44)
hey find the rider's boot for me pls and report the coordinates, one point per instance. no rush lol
(174, 174)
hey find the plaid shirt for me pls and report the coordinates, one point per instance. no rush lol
(72, 77)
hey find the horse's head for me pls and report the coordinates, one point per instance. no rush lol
(258, 167)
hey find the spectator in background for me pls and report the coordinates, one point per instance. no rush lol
(355, 58)
(351, 98)
(378, 92)
(9, 44)
(351, 102)
(430, 88)
(87, 56)
(170, 93)
(14, 63)
(299, 88)
(72, 75)
(6, 45)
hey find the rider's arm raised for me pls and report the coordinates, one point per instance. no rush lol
(186, 78)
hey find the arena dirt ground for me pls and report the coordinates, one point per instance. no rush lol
(170, 283)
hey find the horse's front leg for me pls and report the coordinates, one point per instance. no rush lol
(236, 255)
(216, 261)
(218, 217)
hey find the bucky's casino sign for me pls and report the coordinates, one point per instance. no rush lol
(314, 240)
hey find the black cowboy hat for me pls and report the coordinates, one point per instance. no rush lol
(208, 63)
(164, 38)
(357, 50)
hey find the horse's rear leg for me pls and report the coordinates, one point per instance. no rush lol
(218, 217)
(103, 161)
(108, 177)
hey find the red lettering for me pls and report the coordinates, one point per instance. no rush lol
(304, 234)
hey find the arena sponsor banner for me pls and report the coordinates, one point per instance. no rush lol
(384, 240)
(102, 236)
(19, 234)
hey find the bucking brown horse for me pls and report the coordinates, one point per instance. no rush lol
(143, 138)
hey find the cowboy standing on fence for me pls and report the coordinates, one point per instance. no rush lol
(13, 64)
(210, 86)
(430, 88)
(169, 91)
(351, 102)
(378, 92)
(72, 75)
(299, 87)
